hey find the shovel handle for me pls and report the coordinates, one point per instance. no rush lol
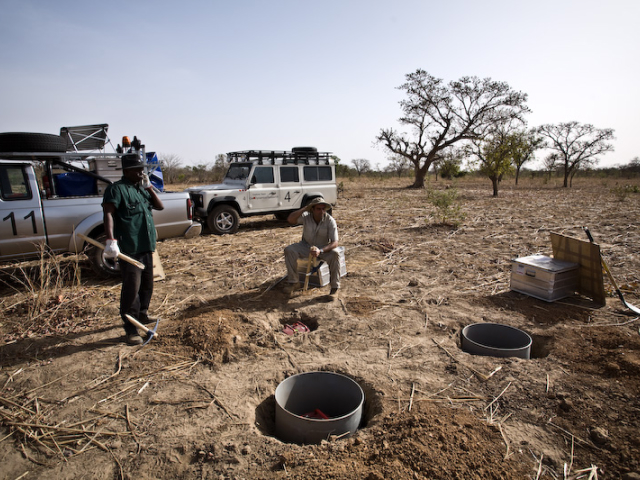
(140, 325)
(121, 256)
(606, 268)
(586, 230)
(306, 277)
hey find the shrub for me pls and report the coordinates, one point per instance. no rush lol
(449, 210)
(622, 192)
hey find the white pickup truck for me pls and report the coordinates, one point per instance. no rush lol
(37, 217)
(262, 182)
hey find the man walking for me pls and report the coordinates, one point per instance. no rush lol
(128, 222)
(319, 239)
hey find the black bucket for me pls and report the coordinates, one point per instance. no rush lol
(496, 340)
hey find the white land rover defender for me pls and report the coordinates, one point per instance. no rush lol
(262, 182)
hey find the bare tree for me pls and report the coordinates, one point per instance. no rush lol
(633, 166)
(397, 165)
(577, 144)
(220, 166)
(551, 162)
(442, 114)
(362, 165)
(170, 163)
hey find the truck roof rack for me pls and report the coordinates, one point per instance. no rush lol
(86, 137)
(300, 155)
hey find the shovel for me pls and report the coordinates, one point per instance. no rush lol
(150, 332)
(121, 256)
(311, 270)
(633, 308)
(310, 261)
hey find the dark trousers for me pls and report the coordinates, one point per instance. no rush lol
(137, 288)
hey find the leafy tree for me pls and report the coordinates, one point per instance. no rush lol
(494, 155)
(362, 165)
(577, 145)
(525, 143)
(448, 165)
(441, 115)
(341, 170)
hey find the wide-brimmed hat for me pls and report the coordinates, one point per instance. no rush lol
(318, 201)
(131, 160)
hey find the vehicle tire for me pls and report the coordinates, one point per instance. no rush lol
(32, 142)
(282, 216)
(307, 200)
(304, 150)
(223, 219)
(103, 267)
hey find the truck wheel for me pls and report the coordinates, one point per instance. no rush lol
(282, 216)
(32, 142)
(103, 267)
(304, 150)
(223, 219)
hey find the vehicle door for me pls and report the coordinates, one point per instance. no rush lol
(22, 227)
(290, 187)
(263, 190)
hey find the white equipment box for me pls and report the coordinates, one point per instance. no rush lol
(323, 276)
(544, 277)
(108, 168)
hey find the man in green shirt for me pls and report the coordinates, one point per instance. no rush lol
(128, 222)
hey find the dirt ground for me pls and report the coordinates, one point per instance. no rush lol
(198, 400)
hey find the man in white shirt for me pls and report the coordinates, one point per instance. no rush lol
(319, 239)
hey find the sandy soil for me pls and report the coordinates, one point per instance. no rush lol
(198, 400)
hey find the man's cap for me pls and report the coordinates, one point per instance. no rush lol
(132, 160)
(318, 201)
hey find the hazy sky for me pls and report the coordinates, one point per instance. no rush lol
(199, 78)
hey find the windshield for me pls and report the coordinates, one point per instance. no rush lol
(238, 171)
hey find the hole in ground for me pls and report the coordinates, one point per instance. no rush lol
(541, 346)
(295, 317)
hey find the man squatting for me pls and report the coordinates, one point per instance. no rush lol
(319, 239)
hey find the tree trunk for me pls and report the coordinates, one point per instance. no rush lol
(420, 176)
(495, 183)
(517, 174)
(567, 172)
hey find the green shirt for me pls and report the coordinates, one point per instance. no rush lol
(133, 220)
